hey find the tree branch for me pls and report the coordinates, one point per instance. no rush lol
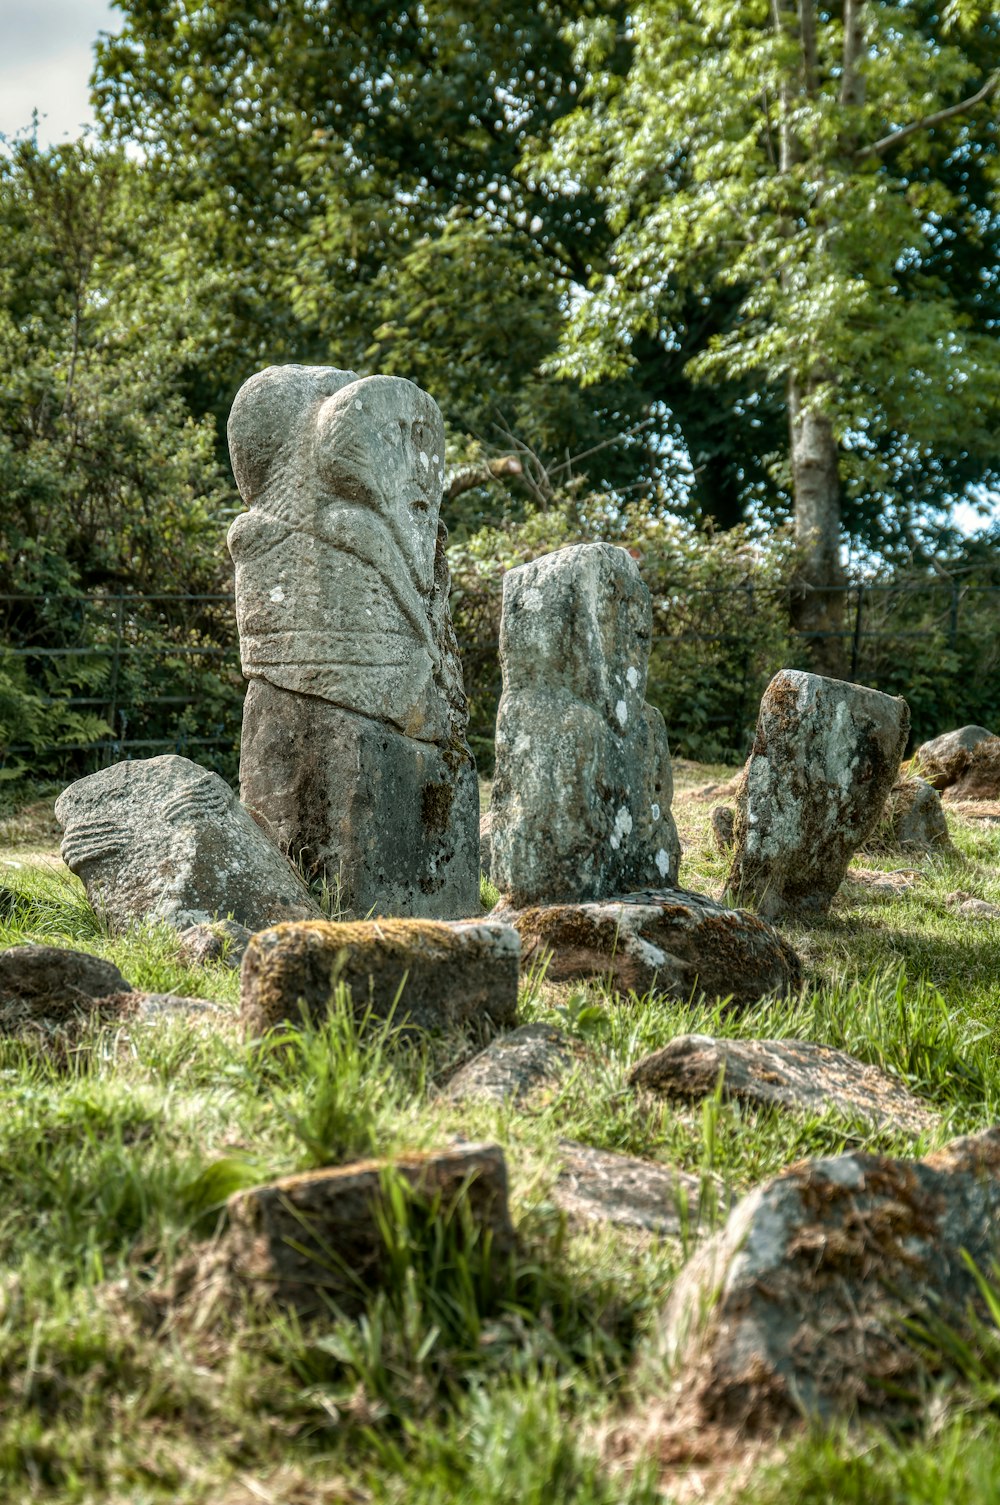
(468, 476)
(878, 148)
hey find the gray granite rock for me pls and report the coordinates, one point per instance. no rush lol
(513, 1065)
(444, 974)
(222, 941)
(317, 1240)
(944, 759)
(798, 1304)
(582, 790)
(913, 819)
(353, 752)
(676, 942)
(163, 839)
(825, 755)
(600, 1187)
(784, 1073)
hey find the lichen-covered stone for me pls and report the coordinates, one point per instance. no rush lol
(675, 942)
(912, 819)
(315, 1241)
(944, 759)
(601, 1187)
(222, 941)
(582, 791)
(513, 1065)
(445, 974)
(824, 757)
(980, 778)
(795, 1074)
(163, 839)
(353, 751)
(799, 1303)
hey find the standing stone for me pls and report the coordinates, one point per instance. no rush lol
(825, 755)
(354, 752)
(163, 839)
(581, 797)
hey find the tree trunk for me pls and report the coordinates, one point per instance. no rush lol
(817, 593)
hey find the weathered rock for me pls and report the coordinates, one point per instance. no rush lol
(972, 908)
(162, 839)
(486, 844)
(912, 819)
(353, 751)
(316, 1240)
(980, 778)
(944, 759)
(885, 884)
(513, 1065)
(599, 1187)
(223, 941)
(797, 1304)
(452, 974)
(582, 791)
(982, 812)
(676, 942)
(784, 1073)
(43, 975)
(723, 820)
(824, 758)
(172, 1005)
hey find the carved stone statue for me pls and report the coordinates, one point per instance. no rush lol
(354, 752)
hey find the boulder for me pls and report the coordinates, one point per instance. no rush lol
(317, 1240)
(912, 819)
(980, 778)
(799, 1303)
(943, 760)
(434, 974)
(56, 975)
(582, 789)
(824, 757)
(793, 1074)
(723, 820)
(353, 752)
(223, 941)
(163, 839)
(675, 942)
(600, 1187)
(513, 1066)
(972, 908)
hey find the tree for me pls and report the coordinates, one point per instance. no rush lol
(811, 163)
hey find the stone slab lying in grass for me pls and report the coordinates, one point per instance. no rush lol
(599, 1186)
(972, 908)
(40, 975)
(824, 757)
(314, 1239)
(894, 882)
(674, 941)
(452, 973)
(163, 839)
(785, 1073)
(64, 1022)
(797, 1303)
(513, 1065)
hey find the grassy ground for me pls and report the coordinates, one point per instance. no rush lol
(114, 1160)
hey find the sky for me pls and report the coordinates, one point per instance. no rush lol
(45, 61)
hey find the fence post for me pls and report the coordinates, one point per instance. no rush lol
(116, 660)
(856, 638)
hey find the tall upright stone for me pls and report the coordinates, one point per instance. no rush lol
(581, 797)
(825, 756)
(354, 753)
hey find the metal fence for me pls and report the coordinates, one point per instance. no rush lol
(157, 673)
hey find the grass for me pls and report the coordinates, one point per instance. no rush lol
(456, 1384)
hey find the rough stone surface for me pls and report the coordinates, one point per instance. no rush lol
(796, 1304)
(972, 908)
(980, 778)
(825, 755)
(353, 752)
(885, 884)
(582, 790)
(163, 839)
(944, 759)
(675, 941)
(311, 1240)
(785, 1073)
(42, 975)
(912, 819)
(223, 941)
(513, 1065)
(486, 844)
(723, 820)
(459, 973)
(597, 1186)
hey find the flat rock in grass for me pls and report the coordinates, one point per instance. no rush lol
(601, 1187)
(785, 1073)
(155, 1006)
(317, 1239)
(798, 1303)
(894, 882)
(43, 975)
(912, 819)
(674, 941)
(972, 908)
(223, 941)
(944, 759)
(163, 839)
(824, 757)
(445, 974)
(513, 1065)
